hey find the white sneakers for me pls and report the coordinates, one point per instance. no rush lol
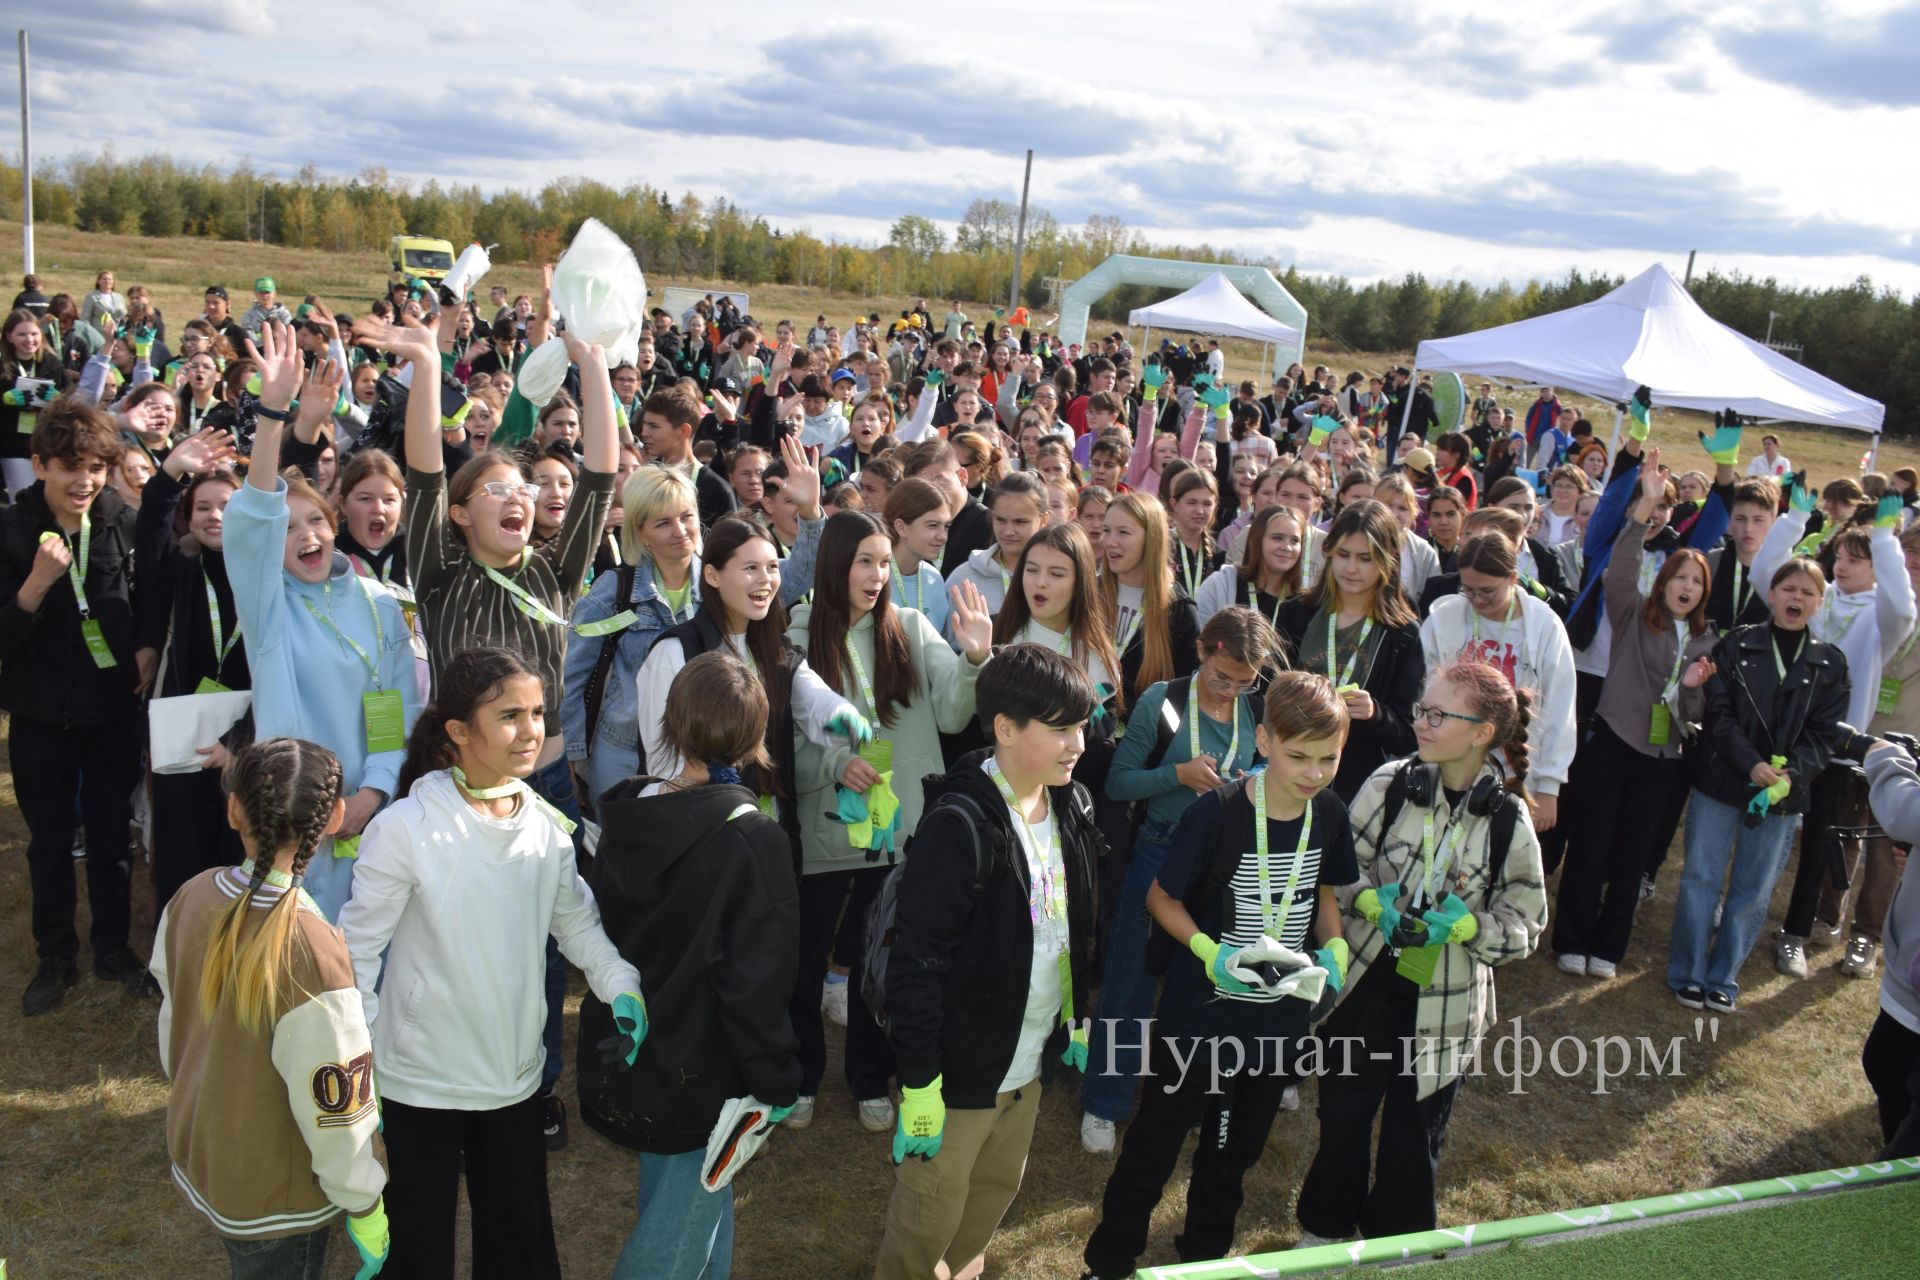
(1825, 935)
(1790, 955)
(833, 998)
(876, 1115)
(1290, 1098)
(1859, 961)
(802, 1114)
(1575, 966)
(1586, 966)
(1598, 968)
(1096, 1135)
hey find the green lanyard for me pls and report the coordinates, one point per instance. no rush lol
(1193, 728)
(1513, 604)
(919, 591)
(77, 566)
(860, 677)
(1781, 667)
(1064, 645)
(1047, 888)
(1133, 627)
(1253, 602)
(1679, 658)
(1267, 912)
(220, 650)
(1366, 629)
(1436, 869)
(522, 599)
(1006, 578)
(1739, 604)
(512, 786)
(379, 634)
(1191, 571)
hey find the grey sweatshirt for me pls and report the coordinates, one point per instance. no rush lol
(1895, 799)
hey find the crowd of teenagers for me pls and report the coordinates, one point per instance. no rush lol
(1023, 714)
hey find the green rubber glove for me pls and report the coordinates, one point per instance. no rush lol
(778, 1114)
(1641, 409)
(1800, 498)
(14, 399)
(143, 342)
(622, 1048)
(1215, 398)
(1886, 515)
(923, 1117)
(1452, 922)
(1723, 445)
(1201, 381)
(1334, 958)
(1531, 587)
(851, 723)
(934, 378)
(1380, 911)
(1075, 1054)
(1215, 957)
(371, 1239)
(1152, 378)
(1323, 426)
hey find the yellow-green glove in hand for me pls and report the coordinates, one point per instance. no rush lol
(1075, 1054)
(923, 1118)
(371, 1239)
(1641, 409)
(1452, 922)
(1215, 958)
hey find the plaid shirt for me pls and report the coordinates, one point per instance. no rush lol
(1458, 1009)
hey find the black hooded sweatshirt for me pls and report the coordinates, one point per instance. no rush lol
(705, 905)
(958, 975)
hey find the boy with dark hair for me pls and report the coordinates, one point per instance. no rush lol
(70, 684)
(992, 942)
(667, 421)
(1734, 599)
(1107, 462)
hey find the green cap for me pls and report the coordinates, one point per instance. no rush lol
(305, 310)
(263, 285)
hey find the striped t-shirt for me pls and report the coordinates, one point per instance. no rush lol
(462, 608)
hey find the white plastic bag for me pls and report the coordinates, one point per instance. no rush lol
(1298, 974)
(599, 291)
(542, 372)
(468, 269)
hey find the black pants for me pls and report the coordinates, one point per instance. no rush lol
(1620, 794)
(101, 762)
(823, 899)
(1335, 1200)
(1231, 1142)
(1666, 825)
(1586, 702)
(190, 830)
(1891, 1060)
(504, 1153)
(1839, 800)
(1116, 823)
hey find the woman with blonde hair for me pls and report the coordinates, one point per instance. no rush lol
(1271, 568)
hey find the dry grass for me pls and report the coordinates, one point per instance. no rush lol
(85, 1193)
(178, 270)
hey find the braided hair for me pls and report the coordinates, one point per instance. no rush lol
(289, 796)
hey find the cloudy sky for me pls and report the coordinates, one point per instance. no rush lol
(1365, 137)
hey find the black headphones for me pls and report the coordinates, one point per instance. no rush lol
(1423, 783)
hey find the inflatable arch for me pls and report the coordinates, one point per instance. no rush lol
(1257, 283)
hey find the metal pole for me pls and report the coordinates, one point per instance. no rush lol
(1614, 447)
(26, 163)
(1873, 454)
(1020, 237)
(1688, 282)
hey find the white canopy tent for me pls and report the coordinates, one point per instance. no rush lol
(1216, 308)
(1650, 332)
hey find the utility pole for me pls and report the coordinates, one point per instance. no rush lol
(26, 163)
(1020, 236)
(1688, 282)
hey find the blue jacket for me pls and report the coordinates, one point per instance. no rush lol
(1623, 489)
(306, 682)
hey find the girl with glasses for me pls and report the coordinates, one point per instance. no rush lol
(1493, 621)
(1356, 628)
(1449, 889)
(1185, 738)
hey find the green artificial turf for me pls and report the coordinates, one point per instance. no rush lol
(1873, 1232)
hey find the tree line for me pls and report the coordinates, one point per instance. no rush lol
(1865, 337)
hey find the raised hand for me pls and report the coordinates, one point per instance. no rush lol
(279, 361)
(418, 342)
(1653, 485)
(803, 478)
(318, 398)
(972, 622)
(204, 450)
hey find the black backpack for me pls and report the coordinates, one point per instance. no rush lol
(886, 903)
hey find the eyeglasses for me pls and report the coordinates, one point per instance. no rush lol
(1483, 595)
(1435, 715)
(505, 491)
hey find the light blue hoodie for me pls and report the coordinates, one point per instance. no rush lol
(306, 682)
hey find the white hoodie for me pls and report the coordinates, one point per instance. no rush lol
(984, 572)
(1533, 653)
(1864, 625)
(462, 905)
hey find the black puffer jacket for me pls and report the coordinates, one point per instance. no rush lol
(1753, 715)
(957, 980)
(705, 906)
(46, 672)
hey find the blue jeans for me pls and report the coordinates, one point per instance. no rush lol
(554, 784)
(684, 1232)
(1716, 835)
(301, 1257)
(1127, 989)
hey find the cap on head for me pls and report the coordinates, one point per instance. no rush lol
(263, 285)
